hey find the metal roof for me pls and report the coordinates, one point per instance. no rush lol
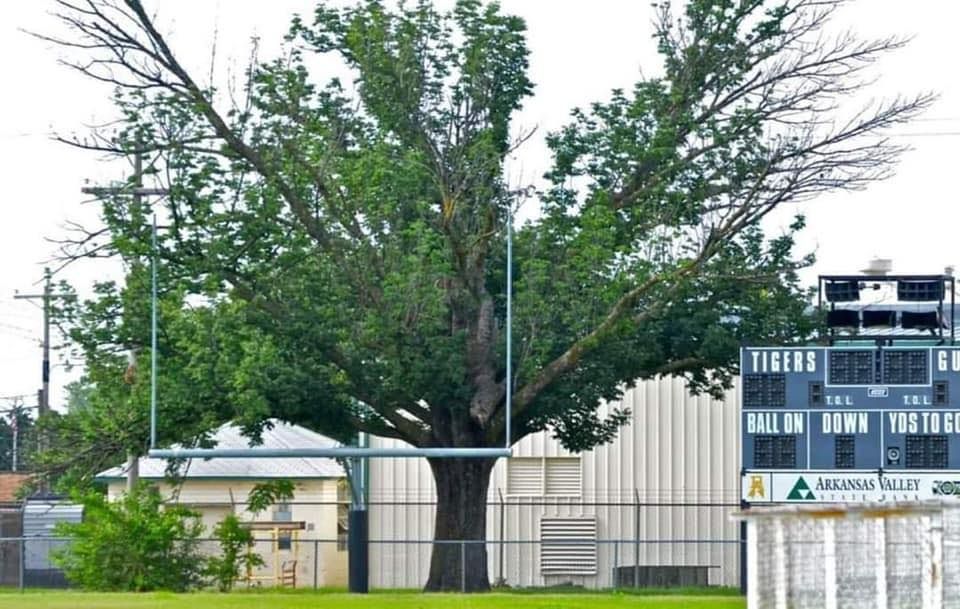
(277, 435)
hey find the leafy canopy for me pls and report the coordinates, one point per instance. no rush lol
(334, 254)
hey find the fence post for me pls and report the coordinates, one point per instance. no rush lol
(616, 561)
(503, 581)
(636, 538)
(316, 559)
(744, 572)
(463, 566)
(880, 551)
(780, 564)
(20, 564)
(830, 563)
(751, 581)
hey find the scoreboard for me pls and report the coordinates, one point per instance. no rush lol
(850, 423)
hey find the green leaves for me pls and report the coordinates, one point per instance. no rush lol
(265, 494)
(134, 544)
(333, 253)
(237, 556)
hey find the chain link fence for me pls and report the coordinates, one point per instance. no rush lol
(28, 562)
(533, 544)
(596, 543)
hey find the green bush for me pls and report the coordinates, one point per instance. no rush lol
(134, 544)
(236, 555)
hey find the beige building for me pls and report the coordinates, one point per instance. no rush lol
(669, 480)
(306, 536)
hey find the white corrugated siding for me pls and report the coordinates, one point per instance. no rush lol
(677, 449)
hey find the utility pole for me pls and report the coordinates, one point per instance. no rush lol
(45, 370)
(138, 192)
(43, 395)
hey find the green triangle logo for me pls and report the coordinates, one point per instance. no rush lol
(801, 491)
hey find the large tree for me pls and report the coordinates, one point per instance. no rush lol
(355, 235)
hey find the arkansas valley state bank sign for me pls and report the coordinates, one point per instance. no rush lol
(834, 487)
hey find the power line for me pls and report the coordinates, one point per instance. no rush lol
(922, 134)
(16, 397)
(18, 328)
(14, 334)
(23, 134)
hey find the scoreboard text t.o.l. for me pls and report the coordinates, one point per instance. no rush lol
(850, 423)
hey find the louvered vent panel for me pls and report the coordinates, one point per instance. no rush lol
(563, 476)
(525, 476)
(569, 546)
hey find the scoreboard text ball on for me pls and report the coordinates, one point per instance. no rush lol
(872, 414)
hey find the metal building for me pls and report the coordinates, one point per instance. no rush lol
(40, 518)
(652, 507)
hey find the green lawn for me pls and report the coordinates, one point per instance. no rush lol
(277, 600)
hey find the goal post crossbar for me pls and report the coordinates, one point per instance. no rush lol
(333, 452)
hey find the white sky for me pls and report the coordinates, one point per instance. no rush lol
(580, 50)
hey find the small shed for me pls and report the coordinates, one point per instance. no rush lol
(40, 517)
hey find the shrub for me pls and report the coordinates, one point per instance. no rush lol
(135, 544)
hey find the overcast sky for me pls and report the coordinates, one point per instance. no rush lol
(580, 50)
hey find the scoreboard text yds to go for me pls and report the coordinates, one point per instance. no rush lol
(850, 423)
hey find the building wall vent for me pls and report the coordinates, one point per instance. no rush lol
(568, 546)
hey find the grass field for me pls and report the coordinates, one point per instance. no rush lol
(411, 600)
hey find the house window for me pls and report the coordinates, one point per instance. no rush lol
(282, 513)
(539, 476)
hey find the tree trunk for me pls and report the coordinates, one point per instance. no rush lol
(461, 514)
